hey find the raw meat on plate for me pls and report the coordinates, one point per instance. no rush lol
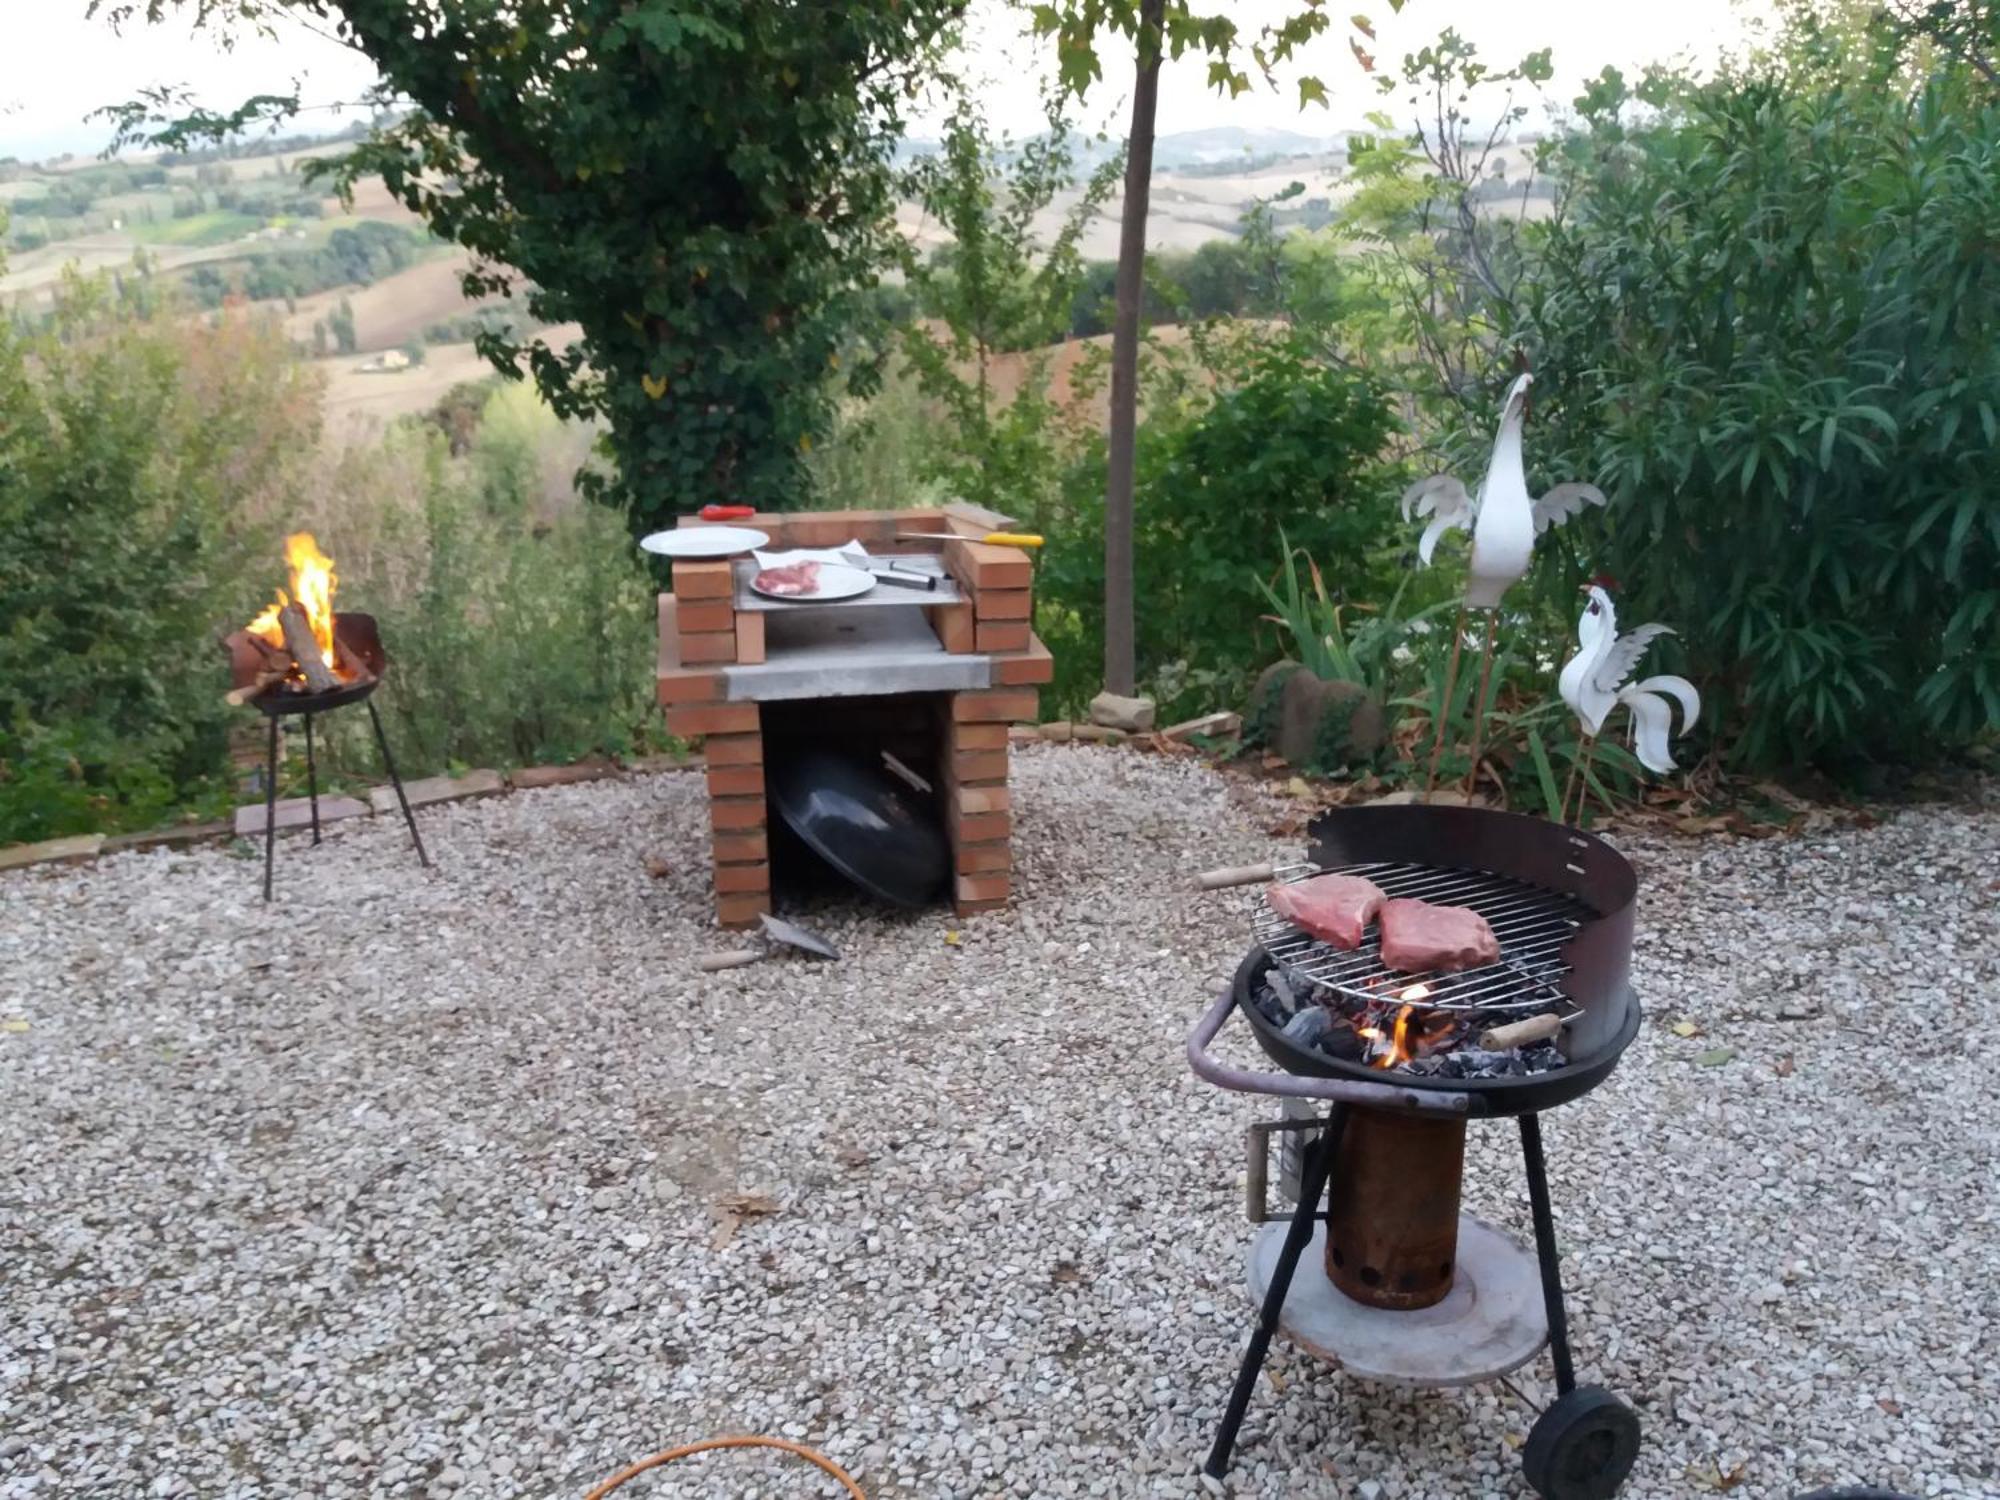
(1418, 938)
(1336, 909)
(791, 580)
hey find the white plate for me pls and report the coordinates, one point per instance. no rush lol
(705, 541)
(835, 581)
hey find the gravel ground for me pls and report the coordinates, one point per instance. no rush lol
(412, 1186)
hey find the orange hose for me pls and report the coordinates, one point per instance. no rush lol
(688, 1450)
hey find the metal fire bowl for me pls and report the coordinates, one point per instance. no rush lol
(1534, 852)
(356, 633)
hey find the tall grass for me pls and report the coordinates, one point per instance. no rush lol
(519, 618)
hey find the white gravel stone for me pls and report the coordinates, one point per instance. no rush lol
(415, 1185)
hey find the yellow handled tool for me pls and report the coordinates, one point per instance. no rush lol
(995, 538)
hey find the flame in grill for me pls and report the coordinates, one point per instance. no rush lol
(313, 583)
(1401, 1047)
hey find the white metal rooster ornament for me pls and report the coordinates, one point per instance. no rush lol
(1504, 522)
(1593, 683)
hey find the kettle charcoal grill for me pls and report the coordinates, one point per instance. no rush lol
(1413, 1291)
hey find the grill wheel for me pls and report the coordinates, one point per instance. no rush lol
(1582, 1447)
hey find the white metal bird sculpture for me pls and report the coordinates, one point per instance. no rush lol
(1504, 523)
(1594, 682)
(1503, 520)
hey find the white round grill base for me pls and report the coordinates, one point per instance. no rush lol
(1489, 1323)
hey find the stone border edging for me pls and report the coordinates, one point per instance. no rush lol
(296, 812)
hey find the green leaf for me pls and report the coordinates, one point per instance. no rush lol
(1545, 773)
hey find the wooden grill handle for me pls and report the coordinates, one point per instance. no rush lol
(1215, 880)
(735, 958)
(1520, 1033)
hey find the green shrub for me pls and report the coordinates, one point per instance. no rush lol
(1294, 446)
(144, 461)
(1771, 317)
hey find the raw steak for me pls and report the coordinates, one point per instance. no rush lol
(1335, 909)
(790, 580)
(1418, 937)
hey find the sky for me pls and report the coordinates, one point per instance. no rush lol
(59, 65)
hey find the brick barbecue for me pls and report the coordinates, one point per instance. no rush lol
(950, 668)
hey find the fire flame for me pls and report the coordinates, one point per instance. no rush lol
(313, 584)
(1401, 1047)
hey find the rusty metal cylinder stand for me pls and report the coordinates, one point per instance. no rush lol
(1392, 1216)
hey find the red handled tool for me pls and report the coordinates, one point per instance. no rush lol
(727, 512)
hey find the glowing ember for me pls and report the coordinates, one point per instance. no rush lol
(313, 584)
(1415, 993)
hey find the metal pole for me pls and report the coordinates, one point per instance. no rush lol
(1479, 709)
(389, 764)
(1318, 1165)
(1444, 703)
(312, 777)
(1546, 1254)
(270, 804)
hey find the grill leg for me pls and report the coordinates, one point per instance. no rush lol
(1545, 1252)
(1312, 1187)
(312, 777)
(270, 804)
(389, 764)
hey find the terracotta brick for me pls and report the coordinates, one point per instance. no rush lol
(975, 766)
(980, 566)
(734, 749)
(735, 781)
(730, 814)
(742, 910)
(690, 688)
(955, 626)
(967, 800)
(983, 889)
(741, 848)
(1022, 667)
(750, 638)
(975, 828)
(983, 859)
(699, 616)
(1004, 706)
(676, 684)
(734, 880)
(704, 580)
(712, 718)
(720, 646)
(1003, 604)
(979, 736)
(1003, 635)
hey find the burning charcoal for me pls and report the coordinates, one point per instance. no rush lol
(1426, 1066)
(1283, 990)
(1266, 1000)
(1308, 1026)
(1341, 1042)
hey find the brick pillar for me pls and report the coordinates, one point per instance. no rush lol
(978, 804)
(737, 812)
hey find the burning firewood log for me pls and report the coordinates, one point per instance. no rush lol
(305, 650)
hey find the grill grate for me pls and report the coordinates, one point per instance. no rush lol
(1531, 923)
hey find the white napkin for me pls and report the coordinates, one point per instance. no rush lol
(852, 555)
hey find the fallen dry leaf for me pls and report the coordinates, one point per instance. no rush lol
(1067, 1273)
(1730, 1480)
(732, 1209)
(954, 939)
(1784, 1067)
(1298, 787)
(1893, 1408)
(658, 868)
(1686, 1028)
(14, 1024)
(1277, 1380)
(1715, 1057)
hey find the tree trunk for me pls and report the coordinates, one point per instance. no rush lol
(1120, 663)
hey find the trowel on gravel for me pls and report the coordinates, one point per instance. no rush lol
(776, 932)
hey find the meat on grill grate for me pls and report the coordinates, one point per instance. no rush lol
(1420, 938)
(1336, 909)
